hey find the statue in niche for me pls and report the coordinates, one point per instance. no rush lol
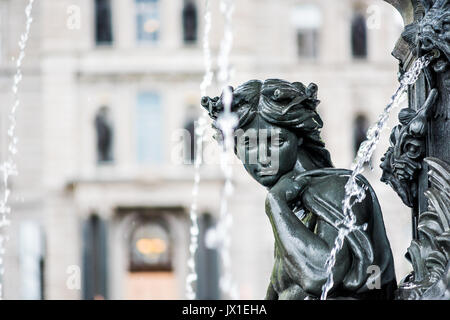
(104, 132)
(305, 195)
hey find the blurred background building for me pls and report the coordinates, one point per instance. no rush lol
(110, 88)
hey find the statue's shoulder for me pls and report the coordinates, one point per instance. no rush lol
(332, 177)
(327, 187)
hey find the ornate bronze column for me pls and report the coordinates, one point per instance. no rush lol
(416, 163)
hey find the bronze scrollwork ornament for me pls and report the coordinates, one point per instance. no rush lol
(416, 165)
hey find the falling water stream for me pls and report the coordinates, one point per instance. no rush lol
(219, 237)
(355, 193)
(199, 134)
(8, 167)
(226, 122)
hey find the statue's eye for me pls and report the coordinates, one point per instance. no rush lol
(247, 142)
(278, 142)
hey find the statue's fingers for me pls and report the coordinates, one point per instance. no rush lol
(294, 191)
(291, 195)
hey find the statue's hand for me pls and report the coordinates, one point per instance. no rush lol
(288, 188)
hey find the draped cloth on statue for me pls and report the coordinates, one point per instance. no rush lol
(369, 246)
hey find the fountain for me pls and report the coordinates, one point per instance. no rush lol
(327, 222)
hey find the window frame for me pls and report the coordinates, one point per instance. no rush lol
(311, 31)
(161, 156)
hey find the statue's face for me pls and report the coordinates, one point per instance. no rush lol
(267, 151)
(433, 34)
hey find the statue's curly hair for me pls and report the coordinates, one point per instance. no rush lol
(282, 103)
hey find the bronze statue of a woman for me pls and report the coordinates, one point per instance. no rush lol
(304, 202)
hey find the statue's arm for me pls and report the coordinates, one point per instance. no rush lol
(305, 252)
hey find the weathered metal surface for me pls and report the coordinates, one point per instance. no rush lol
(427, 33)
(284, 153)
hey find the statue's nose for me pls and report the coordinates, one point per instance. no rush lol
(264, 157)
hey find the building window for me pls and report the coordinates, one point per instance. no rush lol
(103, 25)
(360, 127)
(189, 22)
(147, 20)
(307, 20)
(149, 128)
(94, 259)
(105, 135)
(359, 36)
